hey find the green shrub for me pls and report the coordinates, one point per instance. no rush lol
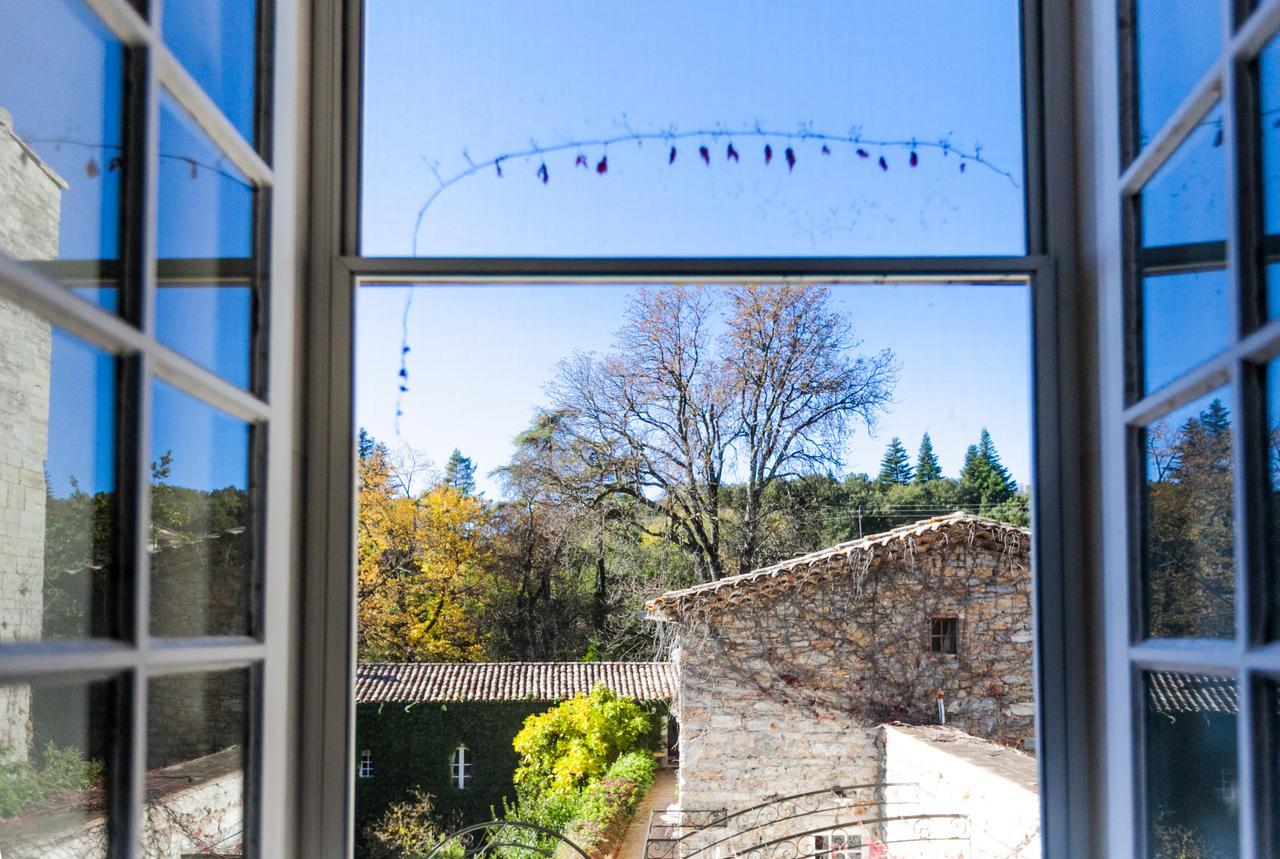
(409, 830)
(606, 805)
(574, 743)
(61, 769)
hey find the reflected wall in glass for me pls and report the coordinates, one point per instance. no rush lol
(1187, 529)
(201, 534)
(58, 564)
(197, 732)
(1192, 799)
(678, 129)
(62, 144)
(1177, 42)
(54, 759)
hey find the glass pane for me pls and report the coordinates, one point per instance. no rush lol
(1183, 223)
(62, 164)
(205, 303)
(197, 731)
(1272, 442)
(216, 41)
(54, 754)
(57, 482)
(211, 323)
(1177, 42)
(1269, 88)
(1190, 733)
(201, 566)
(1188, 548)
(674, 129)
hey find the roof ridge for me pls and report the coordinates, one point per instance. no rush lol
(870, 541)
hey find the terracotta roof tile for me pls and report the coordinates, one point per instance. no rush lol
(1171, 693)
(793, 572)
(510, 681)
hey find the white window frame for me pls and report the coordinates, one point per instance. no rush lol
(460, 767)
(1117, 176)
(1061, 407)
(270, 408)
(365, 768)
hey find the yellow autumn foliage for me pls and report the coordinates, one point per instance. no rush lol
(420, 561)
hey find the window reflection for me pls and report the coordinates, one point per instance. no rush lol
(1269, 90)
(57, 482)
(1188, 535)
(205, 301)
(1177, 42)
(1192, 796)
(215, 41)
(62, 157)
(54, 757)
(1181, 258)
(201, 537)
(197, 725)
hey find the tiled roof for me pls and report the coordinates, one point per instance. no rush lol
(963, 527)
(1171, 693)
(510, 681)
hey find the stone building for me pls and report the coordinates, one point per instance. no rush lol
(412, 718)
(787, 674)
(30, 210)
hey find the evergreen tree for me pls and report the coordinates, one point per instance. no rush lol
(927, 467)
(896, 465)
(460, 473)
(984, 481)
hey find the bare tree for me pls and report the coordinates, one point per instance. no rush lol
(744, 384)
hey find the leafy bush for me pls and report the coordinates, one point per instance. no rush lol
(605, 806)
(409, 830)
(61, 769)
(574, 743)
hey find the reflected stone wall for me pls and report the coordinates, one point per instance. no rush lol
(30, 208)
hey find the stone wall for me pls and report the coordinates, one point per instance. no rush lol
(784, 694)
(30, 209)
(194, 808)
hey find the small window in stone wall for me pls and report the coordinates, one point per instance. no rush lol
(944, 635)
(366, 764)
(838, 845)
(460, 769)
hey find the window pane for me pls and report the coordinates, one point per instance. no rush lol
(197, 731)
(211, 323)
(216, 41)
(57, 482)
(54, 755)
(1272, 442)
(202, 542)
(676, 129)
(1183, 224)
(1192, 799)
(205, 303)
(1188, 549)
(1269, 80)
(1177, 42)
(62, 163)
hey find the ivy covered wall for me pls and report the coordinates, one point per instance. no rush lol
(412, 746)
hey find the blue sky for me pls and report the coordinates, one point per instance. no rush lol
(481, 355)
(452, 80)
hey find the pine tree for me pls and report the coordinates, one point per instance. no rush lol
(1004, 484)
(896, 465)
(927, 466)
(984, 481)
(460, 473)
